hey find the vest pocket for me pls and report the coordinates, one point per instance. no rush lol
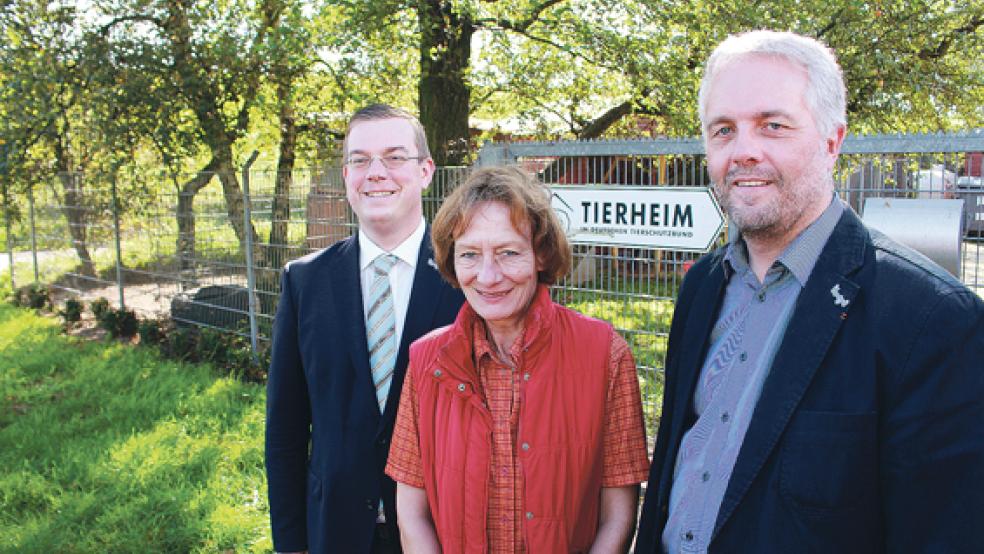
(546, 535)
(828, 460)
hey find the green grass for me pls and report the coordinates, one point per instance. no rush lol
(107, 448)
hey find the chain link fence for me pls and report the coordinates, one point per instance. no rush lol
(206, 249)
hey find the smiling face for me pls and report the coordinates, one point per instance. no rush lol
(496, 267)
(770, 165)
(386, 201)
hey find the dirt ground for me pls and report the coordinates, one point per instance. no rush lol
(146, 299)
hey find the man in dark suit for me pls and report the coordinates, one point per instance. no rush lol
(824, 385)
(334, 382)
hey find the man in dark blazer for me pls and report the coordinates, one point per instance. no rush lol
(328, 433)
(824, 385)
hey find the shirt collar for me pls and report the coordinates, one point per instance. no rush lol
(540, 310)
(407, 251)
(482, 347)
(801, 255)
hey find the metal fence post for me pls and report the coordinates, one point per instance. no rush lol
(116, 236)
(10, 243)
(34, 232)
(4, 155)
(250, 274)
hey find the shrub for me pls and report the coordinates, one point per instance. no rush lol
(32, 296)
(99, 307)
(181, 343)
(225, 350)
(72, 311)
(256, 372)
(152, 331)
(118, 322)
(228, 352)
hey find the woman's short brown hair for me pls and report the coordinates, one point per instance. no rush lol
(529, 204)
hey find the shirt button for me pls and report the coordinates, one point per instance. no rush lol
(688, 536)
(725, 417)
(505, 471)
(529, 515)
(743, 356)
(437, 373)
(526, 446)
(526, 376)
(461, 387)
(761, 296)
(706, 476)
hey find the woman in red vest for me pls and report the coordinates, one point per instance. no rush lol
(520, 426)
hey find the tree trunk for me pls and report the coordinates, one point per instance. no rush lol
(278, 252)
(443, 96)
(74, 209)
(185, 214)
(233, 195)
(207, 100)
(73, 206)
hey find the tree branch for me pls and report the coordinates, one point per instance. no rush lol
(944, 46)
(603, 122)
(104, 30)
(566, 50)
(522, 25)
(834, 20)
(201, 178)
(532, 17)
(270, 12)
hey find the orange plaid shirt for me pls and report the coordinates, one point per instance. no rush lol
(624, 459)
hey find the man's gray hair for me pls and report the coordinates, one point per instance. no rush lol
(825, 93)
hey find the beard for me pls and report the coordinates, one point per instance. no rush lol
(776, 216)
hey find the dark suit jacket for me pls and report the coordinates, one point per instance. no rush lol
(326, 442)
(869, 432)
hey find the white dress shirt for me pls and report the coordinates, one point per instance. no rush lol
(400, 277)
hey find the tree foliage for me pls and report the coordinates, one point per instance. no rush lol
(194, 87)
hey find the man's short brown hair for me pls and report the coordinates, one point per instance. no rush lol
(529, 208)
(375, 112)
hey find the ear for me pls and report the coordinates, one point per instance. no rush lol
(835, 140)
(426, 172)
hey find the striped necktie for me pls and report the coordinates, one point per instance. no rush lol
(381, 327)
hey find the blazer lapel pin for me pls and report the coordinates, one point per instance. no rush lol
(432, 263)
(839, 299)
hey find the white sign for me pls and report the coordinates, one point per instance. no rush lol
(674, 218)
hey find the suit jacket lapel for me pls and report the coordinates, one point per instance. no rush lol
(425, 296)
(351, 319)
(696, 333)
(822, 307)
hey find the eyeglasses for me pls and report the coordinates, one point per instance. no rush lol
(389, 161)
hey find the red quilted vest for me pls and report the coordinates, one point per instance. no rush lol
(565, 368)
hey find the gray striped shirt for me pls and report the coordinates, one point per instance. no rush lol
(743, 343)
